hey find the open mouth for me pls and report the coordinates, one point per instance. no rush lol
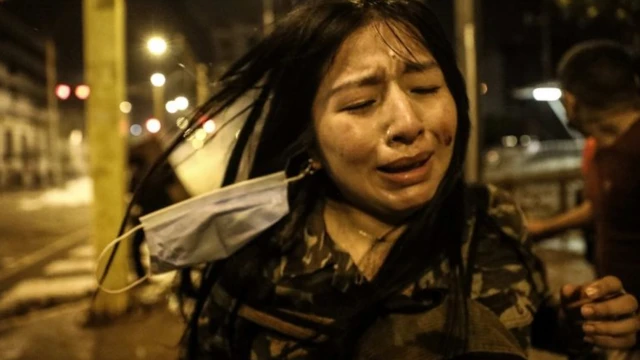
(400, 168)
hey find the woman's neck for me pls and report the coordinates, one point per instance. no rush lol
(348, 218)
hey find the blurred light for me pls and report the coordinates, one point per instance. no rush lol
(525, 140)
(509, 141)
(135, 130)
(182, 103)
(153, 125)
(492, 157)
(63, 91)
(484, 88)
(592, 11)
(82, 92)
(564, 3)
(547, 94)
(171, 107)
(125, 107)
(182, 123)
(197, 144)
(534, 147)
(621, 14)
(75, 138)
(158, 79)
(209, 126)
(157, 45)
(200, 134)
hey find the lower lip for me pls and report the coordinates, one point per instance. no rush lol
(407, 178)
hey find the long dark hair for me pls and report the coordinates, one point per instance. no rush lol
(285, 70)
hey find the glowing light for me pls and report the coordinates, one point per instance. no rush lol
(525, 140)
(63, 91)
(158, 79)
(493, 157)
(171, 107)
(125, 107)
(200, 134)
(82, 92)
(75, 138)
(510, 141)
(135, 130)
(157, 45)
(547, 94)
(621, 14)
(182, 123)
(182, 103)
(197, 144)
(209, 126)
(153, 125)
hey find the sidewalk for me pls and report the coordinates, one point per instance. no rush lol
(148, 331)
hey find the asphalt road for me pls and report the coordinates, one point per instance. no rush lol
(38, 226)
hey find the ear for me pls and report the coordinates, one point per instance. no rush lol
(315, 159)
(315, 162)
(569, 102)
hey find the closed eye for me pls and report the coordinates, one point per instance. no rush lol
(425, 90)
(359, 106)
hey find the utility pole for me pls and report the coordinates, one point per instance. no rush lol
(157, 93)
(104, 61)
(466, 32)
(53, 148)
(190, 62)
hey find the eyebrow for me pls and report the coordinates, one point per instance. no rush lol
(415, 67)
(377, 77)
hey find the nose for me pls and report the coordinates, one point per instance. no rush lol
(405, 126)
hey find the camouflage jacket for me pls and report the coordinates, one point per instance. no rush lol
(316, 281)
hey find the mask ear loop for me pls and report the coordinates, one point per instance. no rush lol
(308, 171)
(146, 277)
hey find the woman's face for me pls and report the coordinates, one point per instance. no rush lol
(385, 121)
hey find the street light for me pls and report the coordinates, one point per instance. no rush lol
(82, 92)
(157, 45)
(135, 130)
(153, 125)
(63, 91)
(181, 102)
(171, 107)
(547, 94)
(209, 126)
(158, 80)
(125, 107)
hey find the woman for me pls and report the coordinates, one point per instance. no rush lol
(385, 253)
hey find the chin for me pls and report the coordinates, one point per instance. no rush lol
(411, 199)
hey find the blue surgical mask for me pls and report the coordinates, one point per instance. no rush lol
(211, 226)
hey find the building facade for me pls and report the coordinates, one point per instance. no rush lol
(29, 156)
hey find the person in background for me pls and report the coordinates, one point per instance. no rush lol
(601, 94)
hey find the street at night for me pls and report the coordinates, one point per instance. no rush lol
(319, 179)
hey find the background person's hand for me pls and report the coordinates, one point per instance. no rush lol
(606, 314)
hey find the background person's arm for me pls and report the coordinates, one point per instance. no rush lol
(574, 218)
